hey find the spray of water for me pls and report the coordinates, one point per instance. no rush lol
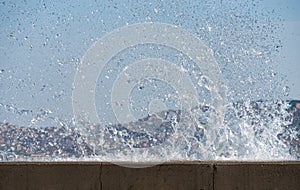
(154, 92)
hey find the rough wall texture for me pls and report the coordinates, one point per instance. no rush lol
(195, 175)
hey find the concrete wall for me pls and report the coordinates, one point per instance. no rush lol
(193, 175)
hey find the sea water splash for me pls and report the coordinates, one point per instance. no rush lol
(242, 39)
(252, 131)
(175, 76)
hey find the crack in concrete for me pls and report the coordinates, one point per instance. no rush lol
(213, 176)
(100, 176)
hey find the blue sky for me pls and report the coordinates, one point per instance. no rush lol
(290, 54)
(41, 44)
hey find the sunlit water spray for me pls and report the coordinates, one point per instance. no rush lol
(154, 92)
(252, 131)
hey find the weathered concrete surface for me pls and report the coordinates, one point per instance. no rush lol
(190, 175)
(61, 176)
(257, 176)
(158, 177)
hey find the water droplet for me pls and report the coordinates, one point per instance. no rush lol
(286, 90)
(209, 28)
